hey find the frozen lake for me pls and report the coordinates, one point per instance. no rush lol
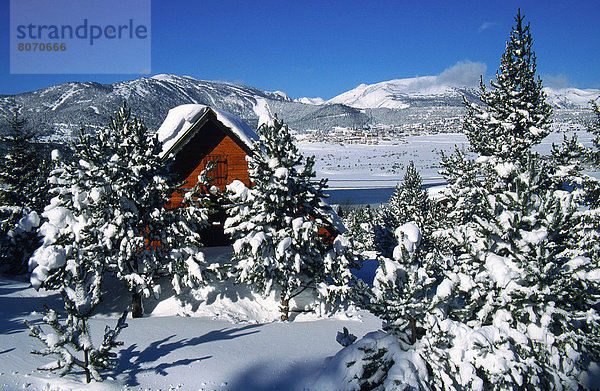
(364, 196)
(368, 174)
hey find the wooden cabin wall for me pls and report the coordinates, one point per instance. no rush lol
(210, 143)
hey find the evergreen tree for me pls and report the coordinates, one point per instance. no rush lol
(410, 202)
(118, 189)
(72, 260)
(23, 195)
(594, 128)
(517, 304)
(276, 223)
(515, 261)
(514, 116)
(403, 285)
(359, 224)
(518, 270)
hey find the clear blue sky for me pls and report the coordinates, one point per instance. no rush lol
(325, 47)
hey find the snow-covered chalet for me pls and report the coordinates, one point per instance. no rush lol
(196, 134)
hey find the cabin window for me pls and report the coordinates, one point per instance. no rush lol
(219, 173)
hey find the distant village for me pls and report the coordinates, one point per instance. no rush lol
(374, 134)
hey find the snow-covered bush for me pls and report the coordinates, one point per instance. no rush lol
(71, 344)
(276, 224)
(378, 361)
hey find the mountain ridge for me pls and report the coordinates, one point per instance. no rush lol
(58, 112)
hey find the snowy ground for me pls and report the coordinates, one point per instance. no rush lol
(231, 340)
(209, 350)
(358, 166)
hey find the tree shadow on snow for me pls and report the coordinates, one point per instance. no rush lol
(134, 362)
(14, 309)
(298, 376)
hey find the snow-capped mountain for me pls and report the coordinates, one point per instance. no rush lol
(59, 111)
(405, 93)
(571, 98)
(310, 101)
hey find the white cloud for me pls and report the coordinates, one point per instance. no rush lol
(487, 25)
(558, 81)
(462, 74)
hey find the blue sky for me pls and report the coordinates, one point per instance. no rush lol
(323, 48)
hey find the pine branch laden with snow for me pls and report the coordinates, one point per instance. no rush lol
(188, 266)
(514, 116)
(276, 223)
(522, 270)
(71, 344)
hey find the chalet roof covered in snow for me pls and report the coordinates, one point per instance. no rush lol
(181, 120)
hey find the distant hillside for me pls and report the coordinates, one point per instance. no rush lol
(58, 111)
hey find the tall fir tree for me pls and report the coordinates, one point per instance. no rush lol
(514, 247)
(276, 223)
(514, 116)
(23, 194)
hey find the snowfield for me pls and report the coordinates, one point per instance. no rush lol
(174, 352)
(379, 165)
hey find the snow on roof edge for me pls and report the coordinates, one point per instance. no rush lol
(181, 118)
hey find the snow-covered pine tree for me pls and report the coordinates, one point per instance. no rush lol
(139, 191)
(403, 286)
(147, 238)
(519, 273)
(71, 343)
(138, 237)
(589, 228)
(72, 260)
(514, 116)
(515, 262)
(383, 224)
(461, 197)
(409, 203)
(23, 195)
(594, 128)
(359, 224)
(276, 223)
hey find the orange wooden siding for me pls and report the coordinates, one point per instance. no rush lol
(231, 165)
